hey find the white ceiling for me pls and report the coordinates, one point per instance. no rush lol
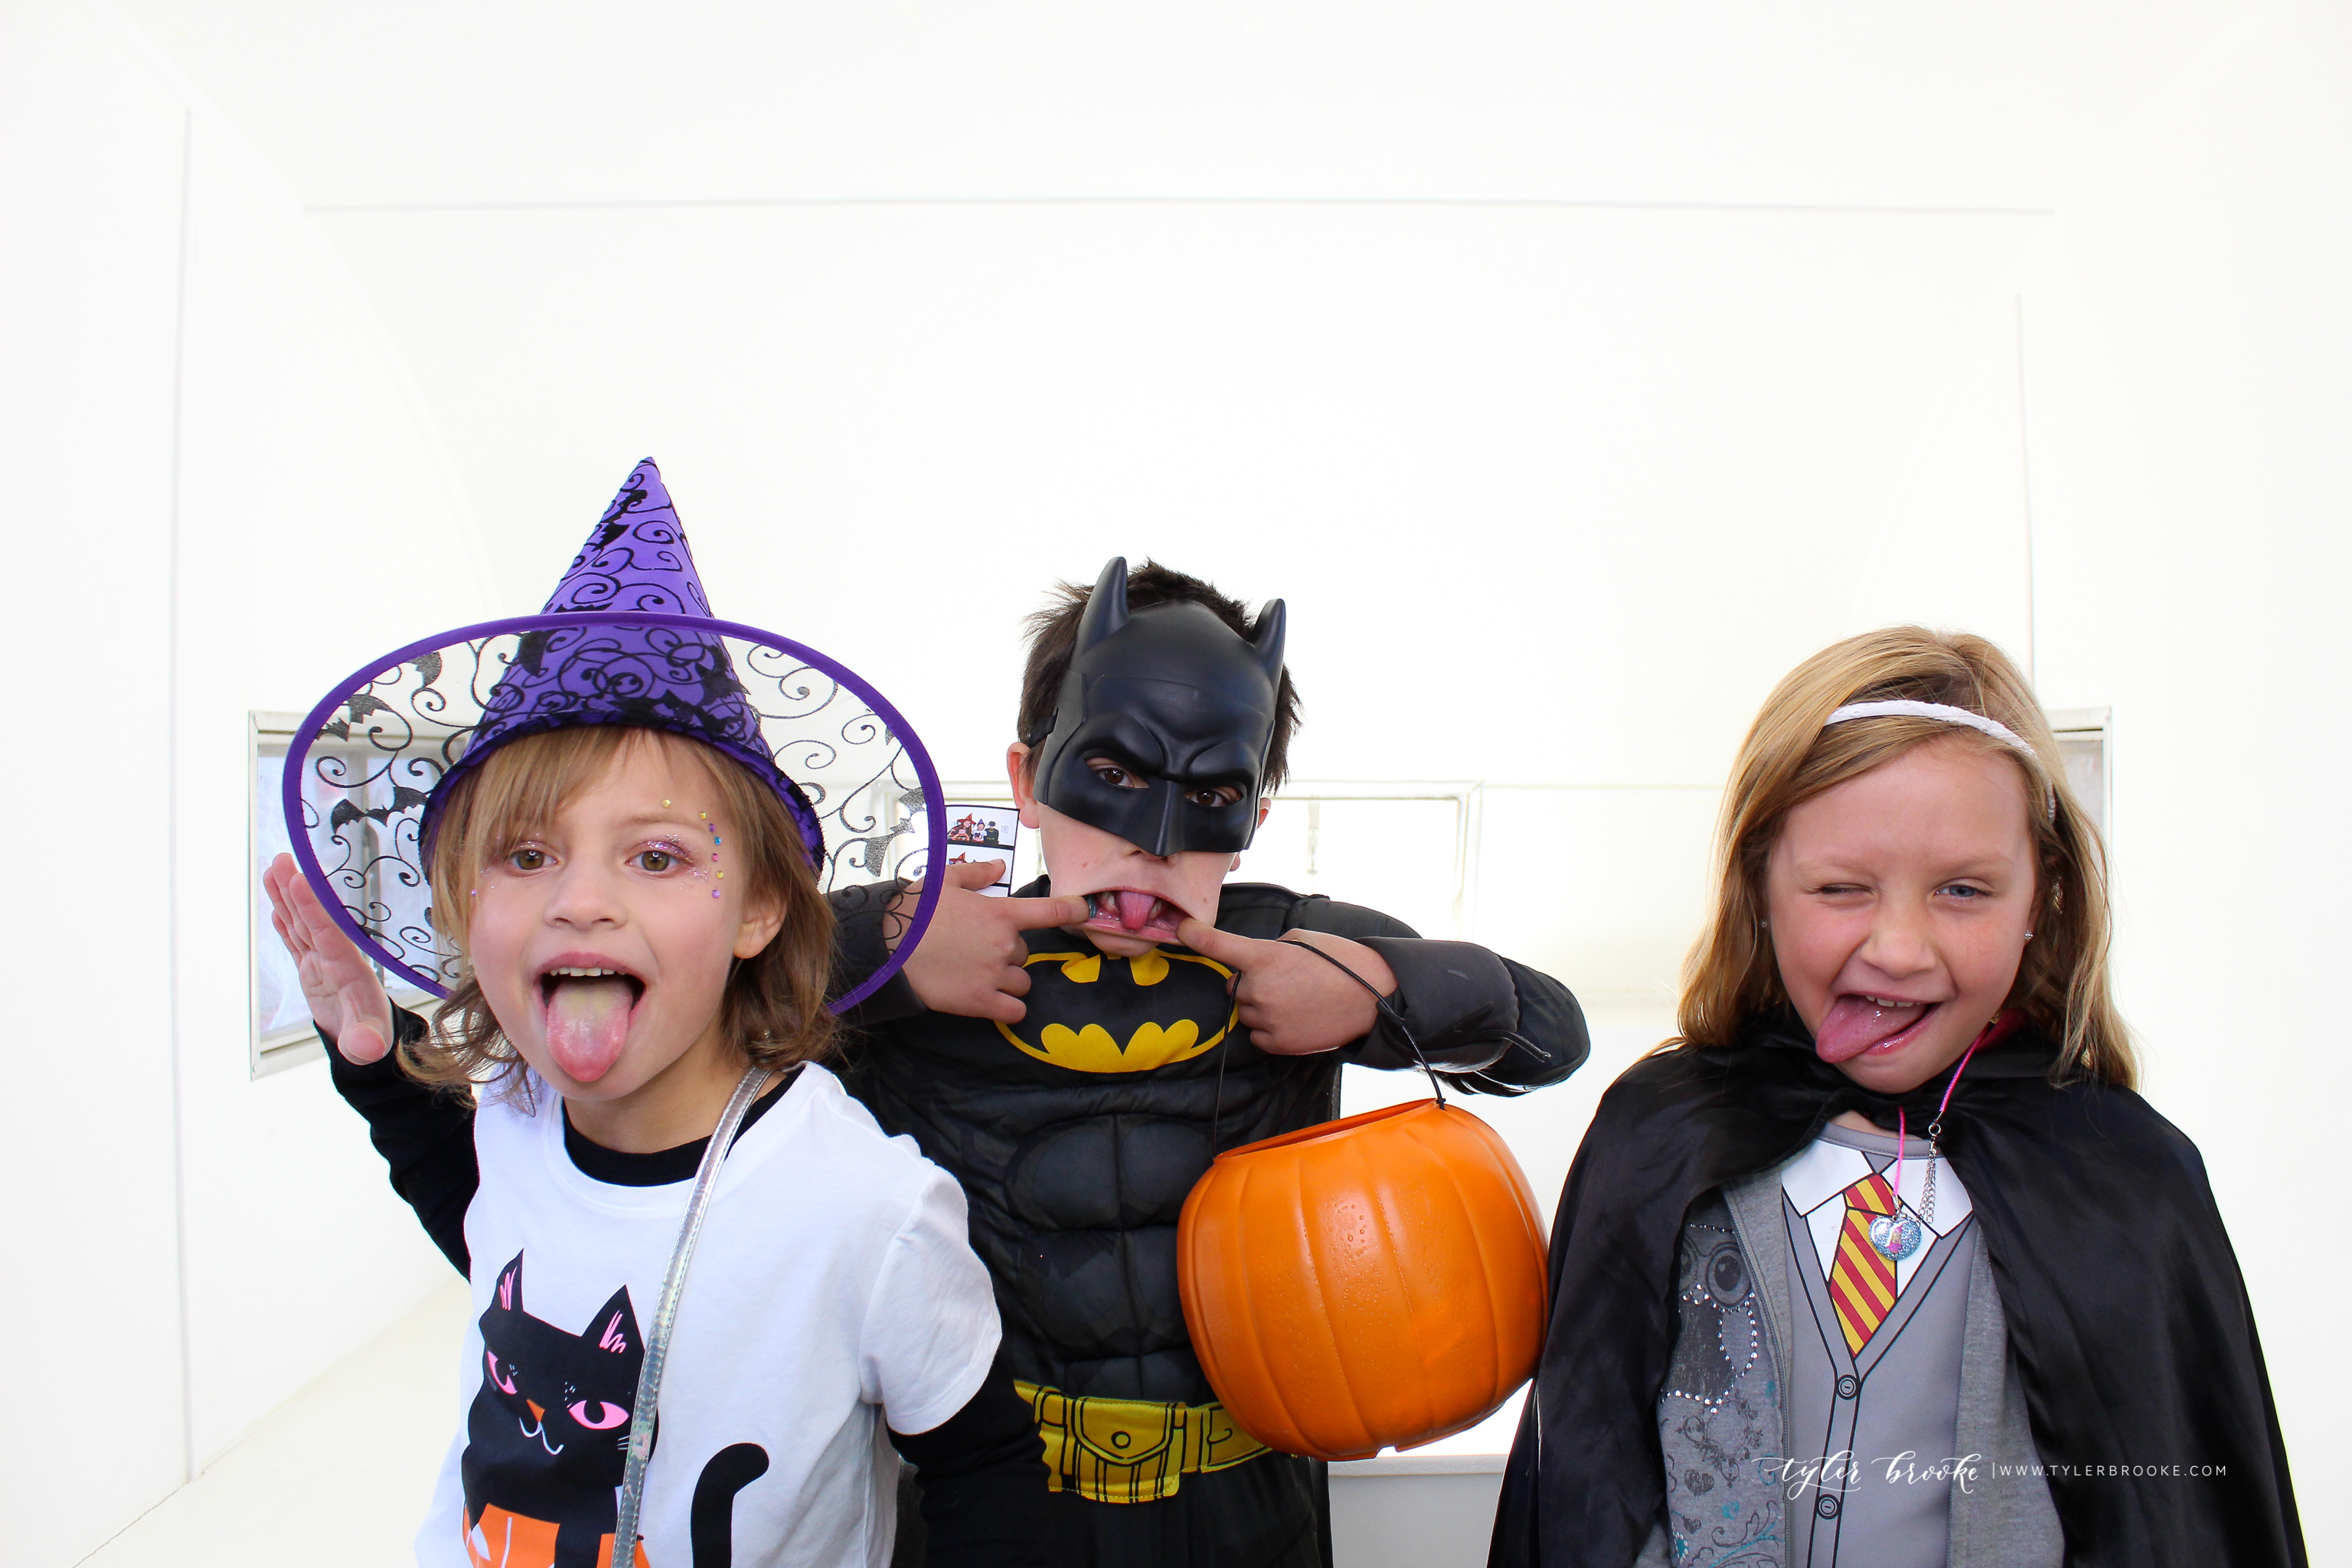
(1587, 340)
(1847, 102)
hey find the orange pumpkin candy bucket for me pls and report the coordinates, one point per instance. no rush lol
(1376, 1281)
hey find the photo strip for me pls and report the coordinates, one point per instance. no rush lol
(984, 832)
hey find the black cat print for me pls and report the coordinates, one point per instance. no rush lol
(547, 1440)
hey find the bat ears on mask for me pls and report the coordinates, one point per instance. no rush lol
(1106, 613)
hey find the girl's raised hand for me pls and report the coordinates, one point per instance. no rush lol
(347, 999)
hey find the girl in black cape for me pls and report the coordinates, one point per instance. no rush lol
(1882, 1260)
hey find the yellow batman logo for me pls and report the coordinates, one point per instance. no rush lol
(1094, 1013)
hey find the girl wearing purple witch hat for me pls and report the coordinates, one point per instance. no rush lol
(578, 829)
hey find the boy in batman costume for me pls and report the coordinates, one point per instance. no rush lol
(1081, 1087)
(1076, 1054)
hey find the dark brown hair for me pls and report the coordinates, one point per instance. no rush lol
(773, 1008)
(1789, 757)
(1054, 633)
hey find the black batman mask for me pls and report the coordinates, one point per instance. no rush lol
(1177, 699)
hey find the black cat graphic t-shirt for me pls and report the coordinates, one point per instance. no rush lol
(833, 1290)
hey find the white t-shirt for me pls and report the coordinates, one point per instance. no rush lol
(833, 1288)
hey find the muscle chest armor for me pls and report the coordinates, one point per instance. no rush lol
(1077, 1133)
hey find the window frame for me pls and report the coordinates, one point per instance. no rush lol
(267, 735)
(2095, 724)
(270, 734)
(1467, 796)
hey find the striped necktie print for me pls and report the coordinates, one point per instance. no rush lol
(1861, 1280)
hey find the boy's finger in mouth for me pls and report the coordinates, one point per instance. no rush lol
(1130, 911)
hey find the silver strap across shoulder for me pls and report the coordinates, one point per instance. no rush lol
(649, 1375)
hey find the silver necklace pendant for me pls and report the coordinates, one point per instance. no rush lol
(1895, 1236)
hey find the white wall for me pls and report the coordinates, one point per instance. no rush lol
(209, 452)
(91, 1294)
(1601, 331)
(2185, 479)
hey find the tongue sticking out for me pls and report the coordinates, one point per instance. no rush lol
(1854, 1023)
(1135, 909)
(587, 1024)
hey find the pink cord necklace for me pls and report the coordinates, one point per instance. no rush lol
(1897, 1236)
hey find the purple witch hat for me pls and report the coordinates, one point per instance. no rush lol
(627, 637)
(606, 669)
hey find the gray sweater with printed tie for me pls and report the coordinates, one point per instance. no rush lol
(1771, 1425)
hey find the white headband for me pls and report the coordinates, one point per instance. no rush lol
(1943, 713)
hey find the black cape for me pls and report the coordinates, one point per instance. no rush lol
(2134, 1338)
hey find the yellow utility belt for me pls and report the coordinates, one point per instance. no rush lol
(1132, 1450)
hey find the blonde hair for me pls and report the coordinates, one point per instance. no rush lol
(1789, 757)
(774, 1007)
